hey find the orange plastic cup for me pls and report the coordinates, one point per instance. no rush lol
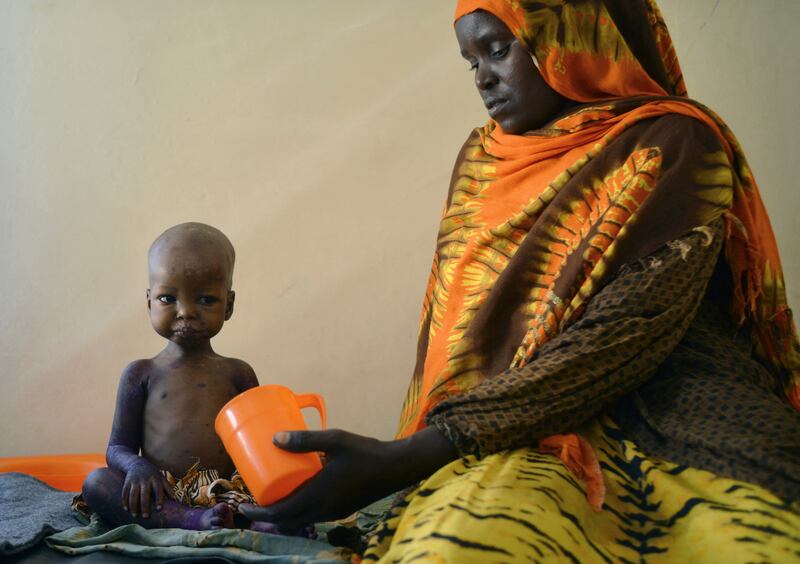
(246, 425)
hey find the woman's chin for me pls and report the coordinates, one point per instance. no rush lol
(511, 127)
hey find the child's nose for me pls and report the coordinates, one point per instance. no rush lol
(186, 311)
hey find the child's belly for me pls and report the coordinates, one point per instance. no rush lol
(178, 429)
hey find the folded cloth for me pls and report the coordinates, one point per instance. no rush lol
(233, 544)
(29, 511)
(577, 454)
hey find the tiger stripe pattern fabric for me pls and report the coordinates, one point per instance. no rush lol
(202, 487)
(524, 506)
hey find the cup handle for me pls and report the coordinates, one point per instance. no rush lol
(312, 400)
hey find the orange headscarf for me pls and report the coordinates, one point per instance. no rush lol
(581, 53)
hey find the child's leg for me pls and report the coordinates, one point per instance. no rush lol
(102, 491)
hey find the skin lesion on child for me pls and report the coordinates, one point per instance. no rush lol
(166, 405)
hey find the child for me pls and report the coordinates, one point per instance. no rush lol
(166, 405)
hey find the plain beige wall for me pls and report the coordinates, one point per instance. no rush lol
(319, 135)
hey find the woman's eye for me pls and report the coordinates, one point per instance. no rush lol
(207, 300)
(473, 65)
(502, 52)
(167, 299)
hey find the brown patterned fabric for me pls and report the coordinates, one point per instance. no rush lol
(711, 405)
(627, 330)
(688, 374)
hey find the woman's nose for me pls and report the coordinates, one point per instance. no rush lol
(485, 77)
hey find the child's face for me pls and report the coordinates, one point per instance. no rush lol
(188, 298)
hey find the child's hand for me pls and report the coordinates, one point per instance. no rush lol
(143, 482)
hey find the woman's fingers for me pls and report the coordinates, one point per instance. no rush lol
(257, 512)
(307, 504)
(310, 441)
(288, 510)
(358, 470)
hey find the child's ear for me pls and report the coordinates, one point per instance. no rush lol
(229, 305)
(148, 299)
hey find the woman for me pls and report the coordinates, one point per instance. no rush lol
(606, 287)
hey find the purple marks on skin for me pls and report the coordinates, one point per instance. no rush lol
(218, 517)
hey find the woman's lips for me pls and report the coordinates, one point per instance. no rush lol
(494, 106)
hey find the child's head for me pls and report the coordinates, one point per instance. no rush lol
(190, 276)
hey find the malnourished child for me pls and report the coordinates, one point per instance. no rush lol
(163, 431)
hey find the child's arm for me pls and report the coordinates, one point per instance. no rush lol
(143, 480)
(245, 376)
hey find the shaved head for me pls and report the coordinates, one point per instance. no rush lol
(192, 247)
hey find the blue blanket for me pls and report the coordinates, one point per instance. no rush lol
(233, 544)
(29, 511)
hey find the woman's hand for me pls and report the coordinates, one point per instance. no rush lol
(143, 482)
(358, 470)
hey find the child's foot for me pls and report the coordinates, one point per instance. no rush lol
(218, 517)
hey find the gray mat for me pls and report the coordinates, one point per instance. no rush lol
(29, 511)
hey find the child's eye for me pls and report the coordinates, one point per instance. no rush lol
(167, 299)
(207, 300)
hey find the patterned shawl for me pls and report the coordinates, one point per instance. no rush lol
(535, 225)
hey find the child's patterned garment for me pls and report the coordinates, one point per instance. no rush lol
(204, 488)
(197, 488)
(524, 506)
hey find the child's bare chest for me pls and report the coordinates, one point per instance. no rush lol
(179, 414)
(188, 393)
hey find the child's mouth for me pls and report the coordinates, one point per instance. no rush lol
(185, 331)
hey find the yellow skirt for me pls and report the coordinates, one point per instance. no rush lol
(521, 505)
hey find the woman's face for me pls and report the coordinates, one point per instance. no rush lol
(513, 91)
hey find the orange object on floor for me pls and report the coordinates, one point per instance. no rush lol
(62, 471)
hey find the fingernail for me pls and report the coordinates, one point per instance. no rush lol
(281, 438)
